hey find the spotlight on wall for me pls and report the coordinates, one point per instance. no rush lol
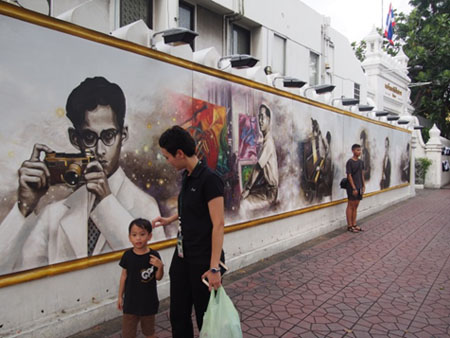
(393, 118)
(402, 122)
(175, 36)
(380, 113)
(289, 82)
(346, 101)
(238, 61)
(418, 127)
(365, 107)
(321, 89)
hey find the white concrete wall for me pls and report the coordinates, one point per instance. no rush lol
(435, 178)
(445, 179)
(62, 305)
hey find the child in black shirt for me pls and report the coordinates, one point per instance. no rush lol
(356, 187)
(142, 267)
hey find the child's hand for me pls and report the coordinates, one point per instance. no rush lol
(156, 262)
(120, 304)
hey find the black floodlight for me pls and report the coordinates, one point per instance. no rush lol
(176, 36)
(418, 127)
(346, 101)
(321, 89)
(239, 61)
(365, 107)
(393, 118)
(402, 122)
(289, 82)
(380, 113)
(243, 61)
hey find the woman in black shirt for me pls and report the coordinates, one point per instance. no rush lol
(200, 233)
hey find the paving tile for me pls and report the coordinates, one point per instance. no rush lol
(392, 280)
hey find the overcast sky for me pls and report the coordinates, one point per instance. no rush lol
(355, 18)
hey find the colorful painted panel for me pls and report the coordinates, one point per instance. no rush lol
(81, 157)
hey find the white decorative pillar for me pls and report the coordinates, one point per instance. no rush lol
(433, 151)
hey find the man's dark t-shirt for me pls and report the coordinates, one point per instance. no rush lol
(355, 168)
(141, 297)
(197, 190)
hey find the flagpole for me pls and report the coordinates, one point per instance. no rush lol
(382, 15)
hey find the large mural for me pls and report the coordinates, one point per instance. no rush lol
(79, 139)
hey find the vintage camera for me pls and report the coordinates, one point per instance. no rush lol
(67, 168)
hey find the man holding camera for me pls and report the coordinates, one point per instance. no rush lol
(94, 218)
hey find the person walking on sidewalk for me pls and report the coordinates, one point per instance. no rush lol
(200, 233)
(356, 187)
(142, 267)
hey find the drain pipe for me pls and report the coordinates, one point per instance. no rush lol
(228, 18)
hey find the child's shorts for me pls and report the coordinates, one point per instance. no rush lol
(130, 323)
(352, 197)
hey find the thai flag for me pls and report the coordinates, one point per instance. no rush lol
(390, 23)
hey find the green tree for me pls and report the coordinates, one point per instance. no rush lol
(360, 49)
(426, 32)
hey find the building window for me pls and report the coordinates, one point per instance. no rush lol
(134, 10)
(313, 69)
(356, 91)
(240, 40)
(279, 55)
(186, 14)
(186, 17)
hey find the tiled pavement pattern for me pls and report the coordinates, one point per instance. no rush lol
(392, 280)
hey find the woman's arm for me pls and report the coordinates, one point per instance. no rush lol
(216, 212)
(163, 221)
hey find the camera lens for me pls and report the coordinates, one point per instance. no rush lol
(73, 174)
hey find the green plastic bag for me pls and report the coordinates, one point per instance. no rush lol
(221, 319)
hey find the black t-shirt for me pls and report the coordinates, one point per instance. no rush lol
(197, 190)
(141, 297)
(355, 168)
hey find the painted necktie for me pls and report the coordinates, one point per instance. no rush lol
(93, 233)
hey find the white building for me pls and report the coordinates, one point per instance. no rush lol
(290, 37)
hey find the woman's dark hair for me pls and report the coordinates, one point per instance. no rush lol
(141, 223)
(93, 92)
(177, 138)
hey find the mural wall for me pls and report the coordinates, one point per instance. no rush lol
(80, 156)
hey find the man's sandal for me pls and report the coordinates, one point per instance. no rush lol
(352, 229)
(357, 227)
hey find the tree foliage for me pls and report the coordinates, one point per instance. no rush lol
(424, 35)
(426, 32)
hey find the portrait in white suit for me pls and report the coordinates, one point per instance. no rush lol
(94, 219)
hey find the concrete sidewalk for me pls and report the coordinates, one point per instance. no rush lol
(391, 280)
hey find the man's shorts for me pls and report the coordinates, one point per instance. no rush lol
(352, 197)
(130, 323)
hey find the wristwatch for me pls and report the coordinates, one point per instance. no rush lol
(214, 270)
